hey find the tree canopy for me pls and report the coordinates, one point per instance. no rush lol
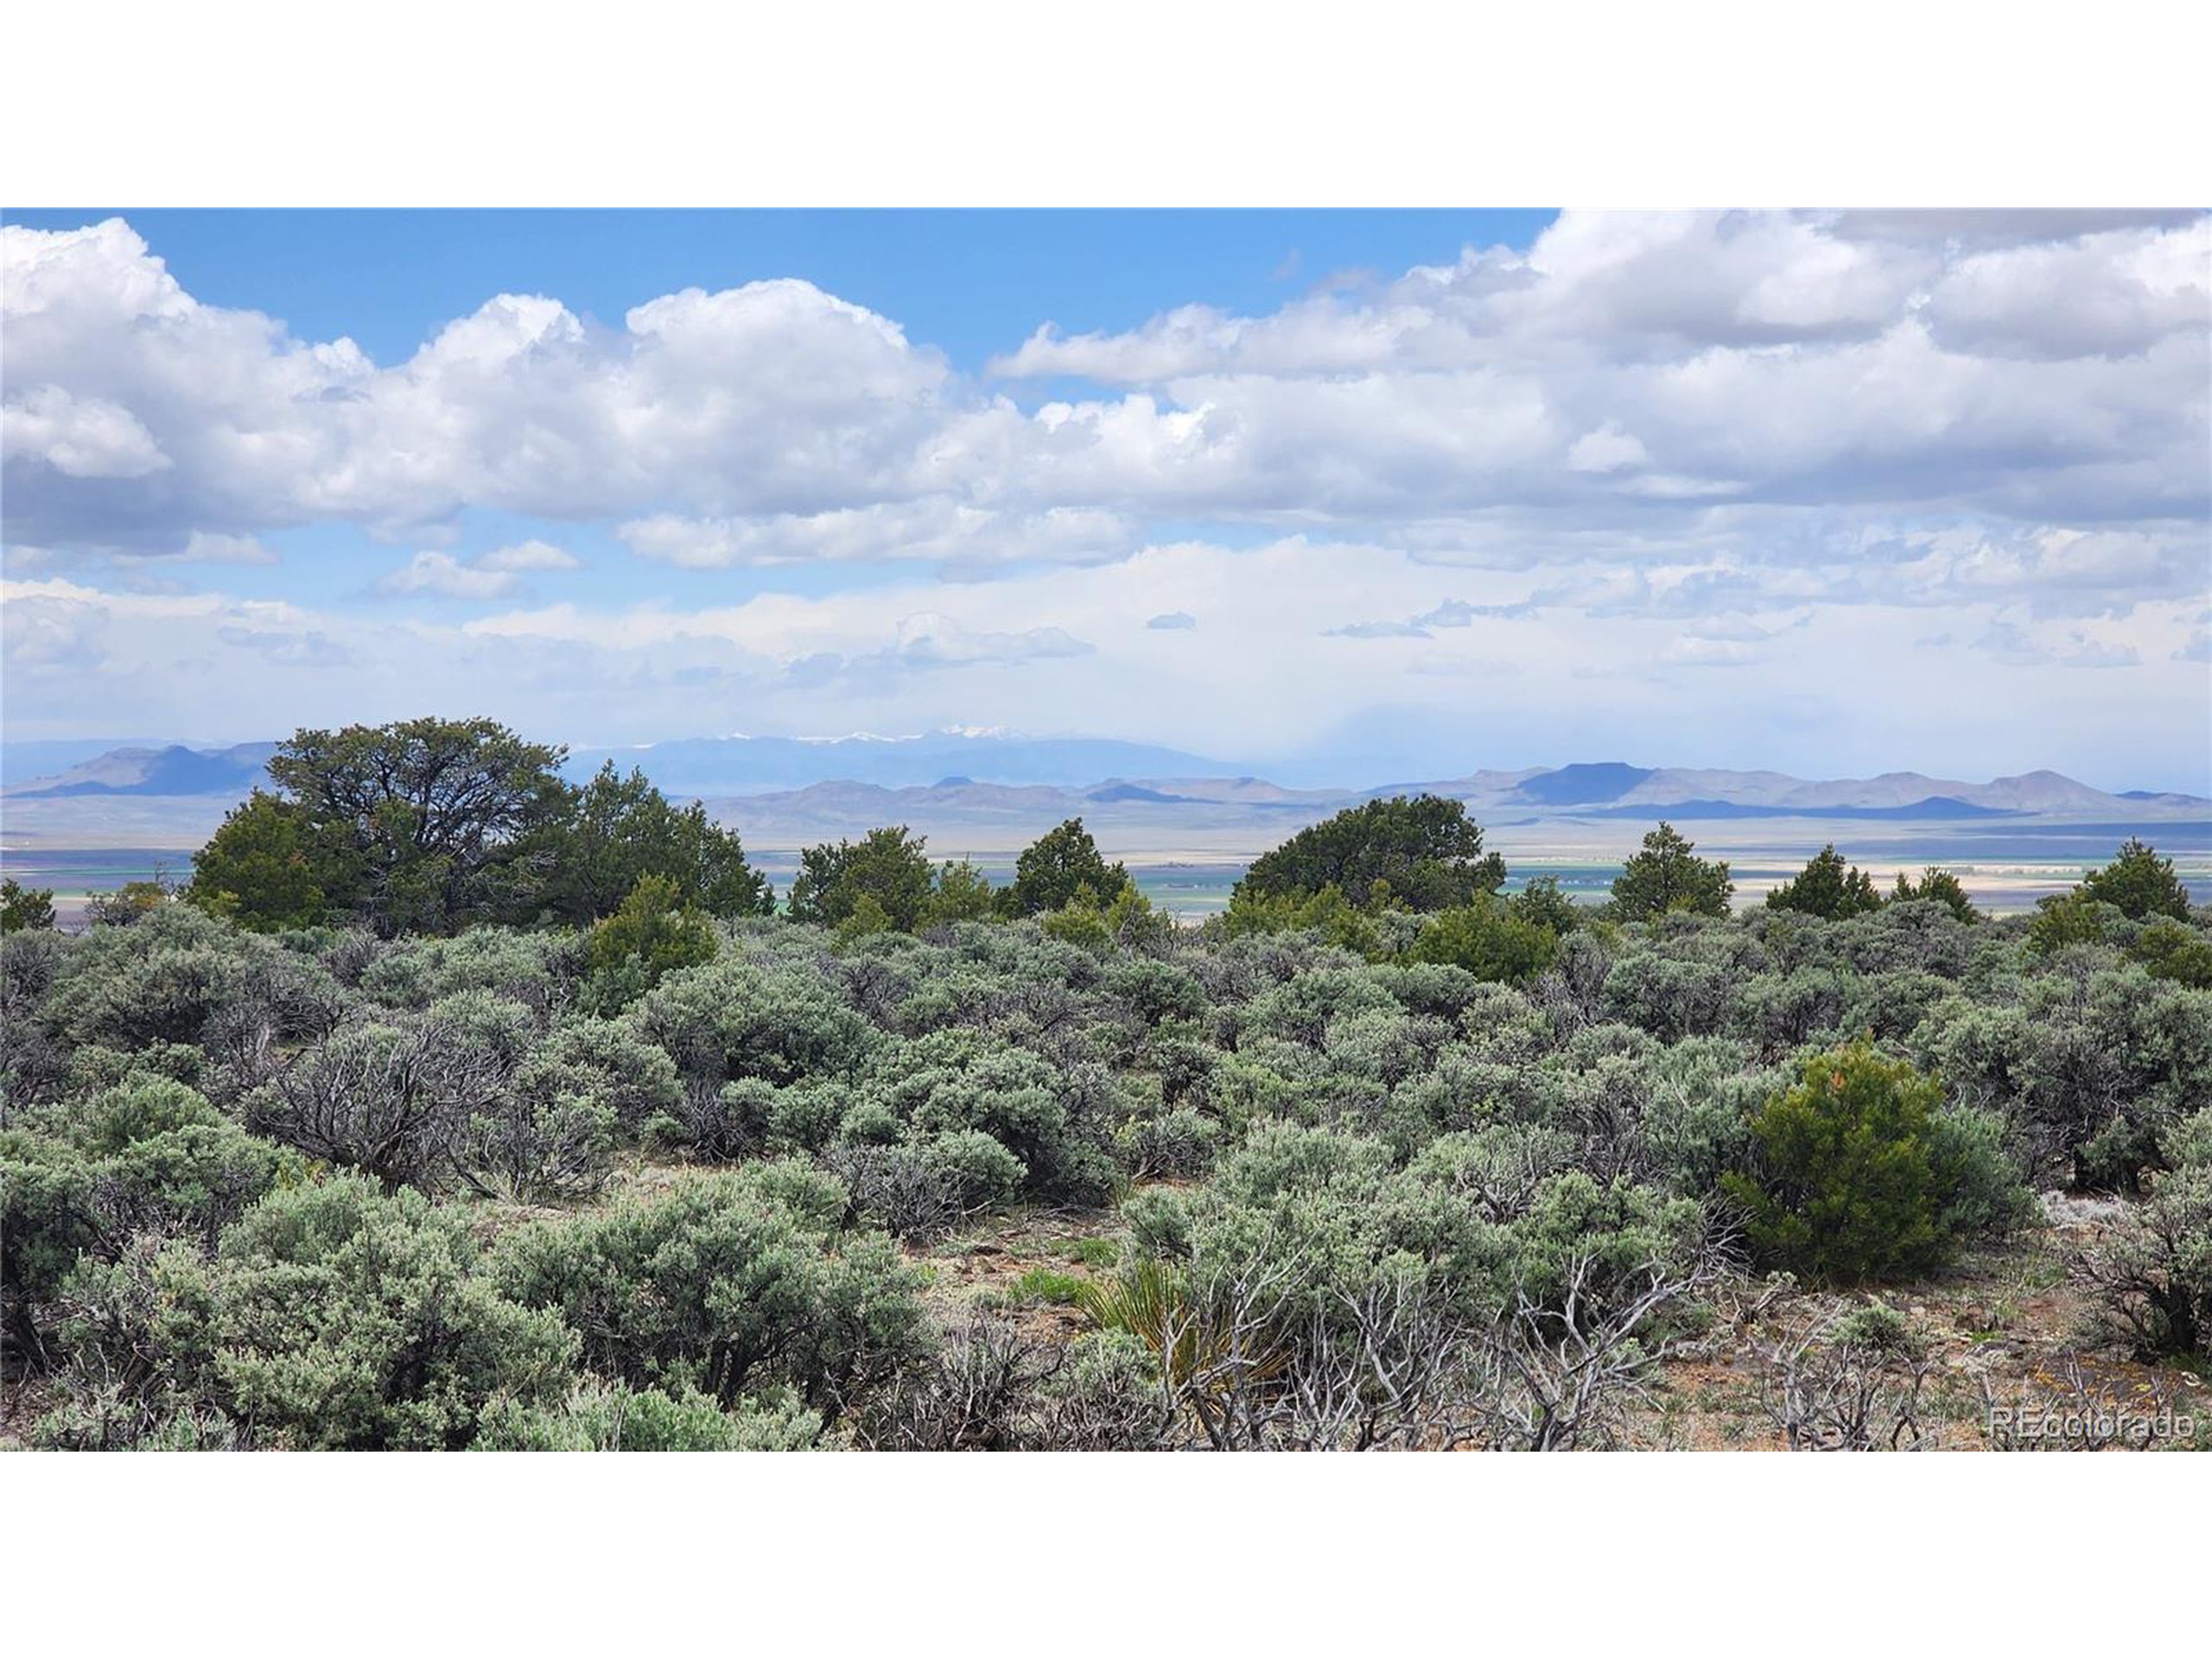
(1667, 876)
(266, 867)
(1938, 885)
(1056, 867)
(889, 866)
(1421, 851)
(420, 826)
(2138, 883)
(24, 908)
(428, 826)
(1828, 888)
(623, 830)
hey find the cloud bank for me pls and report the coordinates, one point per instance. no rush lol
(1646, 446)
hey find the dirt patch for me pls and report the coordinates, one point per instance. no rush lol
(2006, 1328)
(986, 1267)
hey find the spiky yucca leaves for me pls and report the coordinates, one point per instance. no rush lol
(1203, 1345)
(1149, 1299)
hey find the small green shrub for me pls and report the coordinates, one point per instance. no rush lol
(148, 1155)
(653, 934)
(1325, 911)
(46, 1222)
(1856, 1176)
(2154, 1274)
(2188, 1143)
(977, 1170)
(730, 1020)
(1176, 1144)
(1491, 940)
(2069, 918)
(2171, 949)
(1107, 1398)
(346, 1318)
(332, 1316)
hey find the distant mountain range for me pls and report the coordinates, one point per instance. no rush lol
(1646, 791)
(1001, 813)
(687, 767)
(743, 765)
(992, 784)
(26, 761)
(170, 770)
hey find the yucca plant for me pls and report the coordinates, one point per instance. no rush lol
(1150, 1300)
(1211, 1356)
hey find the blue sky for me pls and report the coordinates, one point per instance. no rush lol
(1403, 494)
(971, 283)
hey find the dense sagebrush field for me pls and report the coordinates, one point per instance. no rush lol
(452, 1104)
(318, 1189)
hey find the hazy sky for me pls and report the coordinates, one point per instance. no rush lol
(1417, 493)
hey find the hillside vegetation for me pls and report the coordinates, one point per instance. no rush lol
(454, 1106)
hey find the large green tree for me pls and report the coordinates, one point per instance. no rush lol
(1828, 888)
(1056, 867)
(889, 866)
(623, 830)
(420, 826)
(2138, 883)
(266, 865)
(1668, 875)
(1420, 850)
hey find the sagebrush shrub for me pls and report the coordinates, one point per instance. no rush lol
(612, 1417)
(730, 1283)
(149, 1155)
(331, 1316)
